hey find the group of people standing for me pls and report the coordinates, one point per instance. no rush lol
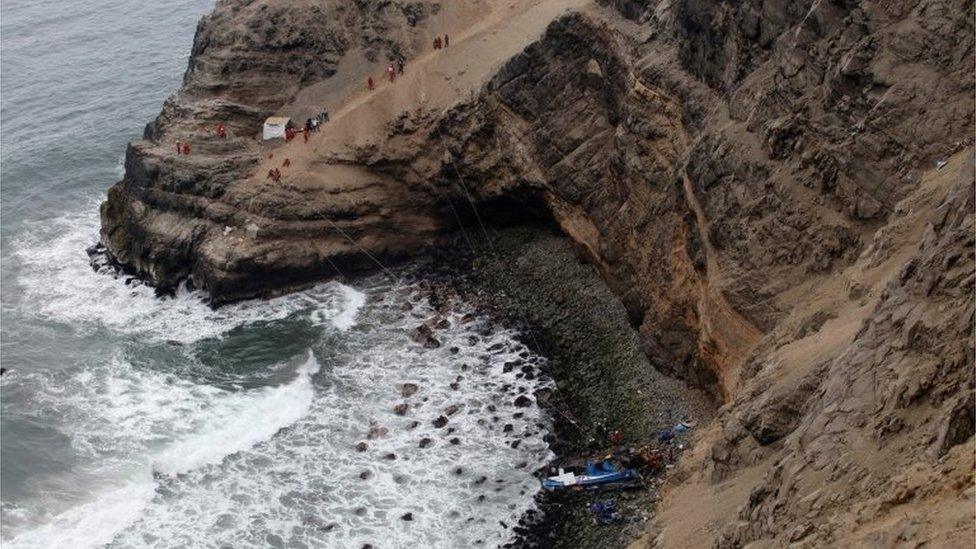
(183, 147)
(396, 66)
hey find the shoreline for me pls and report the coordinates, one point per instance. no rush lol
(511, 279)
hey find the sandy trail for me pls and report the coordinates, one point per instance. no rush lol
(433, 81)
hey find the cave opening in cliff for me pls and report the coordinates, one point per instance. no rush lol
(518, 208)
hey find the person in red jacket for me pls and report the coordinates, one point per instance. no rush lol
(369, 83)
(186, 148)
(391, 70)
(221, 131)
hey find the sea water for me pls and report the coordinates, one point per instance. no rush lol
(130, 420)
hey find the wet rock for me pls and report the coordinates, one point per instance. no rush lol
(440, 422)
(424, 335)
(360, 511)
(412, 425)
(523, 402)
(365, 475)
(455, 385)
(406, 516)
(454, 350)
(377, 431)
(458, 471)
(481, 480)
(401, 409)
(451, 410)
(361, 447)
(409, 389)
(515, 443)
(438, 323)
(455, 441)
(508, 428)
(391, 456)
(407, 306)
(425, 442)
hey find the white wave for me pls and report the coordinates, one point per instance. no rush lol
(240, 422)
(303, 487)
(118, 416)
(353, 302)
(95, 523)
(60, 285)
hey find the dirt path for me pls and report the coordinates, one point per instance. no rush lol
(433, 81)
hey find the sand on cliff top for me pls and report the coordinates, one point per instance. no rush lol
(482, 38)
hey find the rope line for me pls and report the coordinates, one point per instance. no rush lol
(555, 405)
(356, 244)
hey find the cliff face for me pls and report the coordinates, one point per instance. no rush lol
(756, 182)
(167, 218)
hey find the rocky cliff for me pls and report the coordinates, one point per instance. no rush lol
(779, 193)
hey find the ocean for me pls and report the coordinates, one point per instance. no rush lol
(130, 420)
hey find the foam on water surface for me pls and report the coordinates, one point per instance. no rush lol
(59, 282)
(267, 456)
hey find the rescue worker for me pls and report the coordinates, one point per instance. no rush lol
(221, 131)
(446, 41)
(369, 83)
(399, 66)
(437, 43)
(391, 71)
(186, 148)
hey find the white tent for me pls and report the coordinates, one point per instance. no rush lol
(274, 127)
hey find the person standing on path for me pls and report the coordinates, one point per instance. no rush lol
(447, 41)
(391, 71)
(369, 83)
(400, 66)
